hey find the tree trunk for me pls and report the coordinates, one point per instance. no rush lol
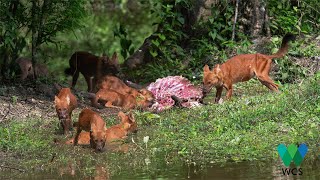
(34, 36)
(253, 18)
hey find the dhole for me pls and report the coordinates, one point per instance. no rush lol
(120, 131)
(91, 67)
(92, 122)
(116, 88)
(27, 70)
(65, 103)
(111, 98)
(117, 132)
(116, 84)
(242, 68)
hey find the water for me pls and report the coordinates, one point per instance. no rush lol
(242, 170)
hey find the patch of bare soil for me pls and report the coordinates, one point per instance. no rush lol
(27, 100)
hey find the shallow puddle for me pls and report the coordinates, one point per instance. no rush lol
(242, 170)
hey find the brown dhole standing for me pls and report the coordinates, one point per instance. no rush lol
(91, 67)
(242, 68)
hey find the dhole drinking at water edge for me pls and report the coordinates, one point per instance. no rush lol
(92, 122)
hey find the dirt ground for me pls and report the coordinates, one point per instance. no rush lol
(30, 100)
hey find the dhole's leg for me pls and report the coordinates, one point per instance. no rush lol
(94, 102)
(92, 144)
(109, 105)
(66, 127)
(268, 82)
(76, 138)
(70, 121)
(93, 84)
(31, 73)
(229, 92)
(75, 78)
(89, 83)
(24, 72)
(218, 94)
(264, 78)
(62, 122)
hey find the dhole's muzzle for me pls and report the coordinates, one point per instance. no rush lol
(206, 89)
(62, 113)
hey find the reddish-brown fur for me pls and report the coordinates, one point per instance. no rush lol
(111, 98)
(117, 132)
(120, 131)
(27, 70)
(65, 103)
(242, 68)
(91, 67)
(92, 122)
(114, 92)
(116, 84)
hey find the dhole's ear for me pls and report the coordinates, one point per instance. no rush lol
(93, 126)
(68, 99)
(114, 58)
(121, 115)
(56, 100)
(206, 68)
(131, 117)
(217, 68)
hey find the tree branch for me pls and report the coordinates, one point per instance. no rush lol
(235, 21)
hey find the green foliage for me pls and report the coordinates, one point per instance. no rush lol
(23, 138)
(294, 16)
(125, 43)
(35, 22)
(51, 17)
(209, 41)
(173, 46)
(287, 70)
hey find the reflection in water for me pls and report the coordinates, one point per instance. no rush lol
(67, 170)
(242, 170)
(101, 173)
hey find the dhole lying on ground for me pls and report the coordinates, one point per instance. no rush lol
(92, 122)
(27, 69)
(111, 98)
(114, 92)
(242, 68)
(114, 133)
(65, 102)
(91, 67)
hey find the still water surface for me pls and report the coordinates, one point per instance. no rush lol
(242, 170)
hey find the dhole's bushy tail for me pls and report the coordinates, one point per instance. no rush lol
(284, 46)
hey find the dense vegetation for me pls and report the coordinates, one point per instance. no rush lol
(183, 33)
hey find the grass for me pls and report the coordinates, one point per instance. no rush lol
(248, 128)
